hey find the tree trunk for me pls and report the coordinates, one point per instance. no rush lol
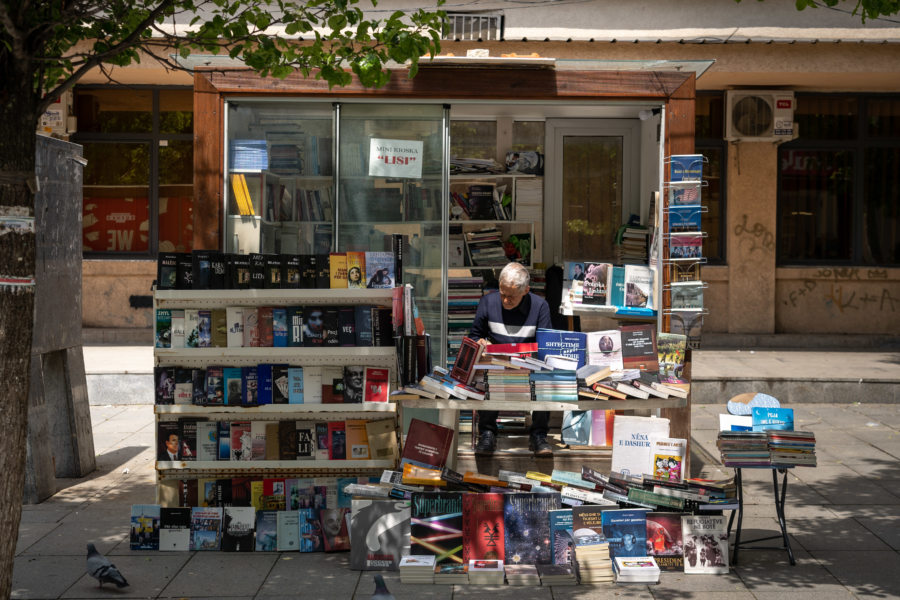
(17, 267)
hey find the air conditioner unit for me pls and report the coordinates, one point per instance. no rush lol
(759, 115)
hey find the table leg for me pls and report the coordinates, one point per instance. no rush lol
(779, 509)
(739, 487)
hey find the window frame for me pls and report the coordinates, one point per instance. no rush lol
(153, 138)
(858, 147)
(721, 144)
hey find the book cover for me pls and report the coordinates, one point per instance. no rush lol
(376, 384)
(200, 269)
(330, 327)
(168, 435)
(257, 271)
(561, 536)
(354, 377)
(483, 532)
(574, 271)
(164, 391)
(237, 529)
(436, 521)
(337, 440)
(279, 328)
(356, 270)
(241, 441)
(362, 325)
(304, 444)
(527, 527)
(224, 435)
(685, 246)
(218, 327)
(664, 540)
(167, 271)
(198, 334)
(626, 531)
(602, 427)
(671, 349)
(258, 440)
(684, 271)
(631, 442)
(639, 286)
(311, 538)
(382, 436)
(685, 217)
(686, 295)
(295, 383)
(322, 441)
(250, 328)
(639, 347)
(667, 458)
(238, 271)
(185, 271)
(313, 328)
(266, 530)
(287, 534)
(357, 439)
(249, 386)
(144, 527)
(572, 344)
(334, 529)
(346, 326)
(466, 358)
(215, 386)
(427, 444)
(231, 381)
(687, 323)
(206, 527)
(175, 529)
(337, 270)
(207, 440)
(379, 530)
(322, 265)
(273, 271)
(705, 543)
(379, 269)
(163, 330)
(312, 378)
(177, 328)
(772, 418)
(290, 271)
(604, 348)
(686, 195)
(686, 167)
(481, 202)
(188, 432)
(616, 286)
(332, 384)
(594, 288)
(218, 271)
(576, 427)
(234, 321)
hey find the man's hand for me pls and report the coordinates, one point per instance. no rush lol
(484, 342)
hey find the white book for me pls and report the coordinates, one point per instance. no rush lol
(729, 422)
(258, 440)
(177, 328)
(639, 286)
(604, 348)
(558, 361)
(288, 530)
(705, 543)
(207, 440)
(652, 391)
(312, 385)
(667, 458)
(234, 319)
(672, 391)
(631, 442)
(627, 388)
(191, 328)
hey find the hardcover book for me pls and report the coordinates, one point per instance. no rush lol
(664, 540)
(639, 347)
(436, 521)
(596, 280)
(427, 444)
(175, 529)
(572, 344)
(483, 532)
(527, 527)
(466, 358)
(379, 530)
(631, 442)
(639, 286)
(144, 527)
(705, 543)
(626, 531)
(605, 348)
(206, 527)
(237, 529)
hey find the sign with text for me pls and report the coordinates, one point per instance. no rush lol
(395, 158)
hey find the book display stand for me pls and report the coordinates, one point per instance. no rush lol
(780, 497)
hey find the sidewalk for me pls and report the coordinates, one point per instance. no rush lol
(843, 518)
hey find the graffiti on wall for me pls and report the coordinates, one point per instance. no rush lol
(756, 235)
(842, 297)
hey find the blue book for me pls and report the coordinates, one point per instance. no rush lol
(279, 328)
(379, 269)
(616, 286)
(626, 531)
(264, 384)
(231, 382)
(295, 385)
(204, 328)
(685, 217)
(686, 167)
(249, 386)
(566, 343)
(773, 418)
(563, 543)
(363, 318)
(224, 432)
(310, 531)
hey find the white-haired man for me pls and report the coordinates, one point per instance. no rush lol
(511, 316)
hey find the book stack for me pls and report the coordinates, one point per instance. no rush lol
(555, 386)
(509, 384)
(485, 247)
(463, 295)
(486, 572)
(636, 569)
(593, 560)
(249, 155)
(522, 575)
(792, 448)
(538, 281)
(417, 568)
(451, 573)
(631, 244)
(744, 448)
(461, 165)
(529, 200)
(557, 575)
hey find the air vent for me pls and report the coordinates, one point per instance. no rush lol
(474, 26)
(753, 115)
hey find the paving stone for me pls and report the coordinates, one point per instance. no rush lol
(761, 575)
(70, 538)
(401, 591)
(229, 573)
(147, 574)
(36, 577)
(868, 574)
(319, 575)
(823, 534)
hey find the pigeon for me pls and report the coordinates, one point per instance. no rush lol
(99, 567)
(381, 591)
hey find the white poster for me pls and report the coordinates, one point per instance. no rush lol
(395, 158)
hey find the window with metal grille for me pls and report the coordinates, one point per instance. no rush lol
(474, 26)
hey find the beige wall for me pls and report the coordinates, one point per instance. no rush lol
(107, 286)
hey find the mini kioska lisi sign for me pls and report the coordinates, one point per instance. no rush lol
(395, 158)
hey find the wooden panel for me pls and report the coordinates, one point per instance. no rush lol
(680, 419)
(208, 167)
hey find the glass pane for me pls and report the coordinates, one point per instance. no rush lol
(592, 196)
(709, 117)
(390, 183)
(116, 214)
(114, 111)
(827, 117)
(713, 218)
(176, 111)
(473, 139)
(176, 196)
(815, 205)
(884, 117)
(528, 135)
(279, 187)
(881, 210)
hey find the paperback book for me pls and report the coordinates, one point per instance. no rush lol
(705, 543)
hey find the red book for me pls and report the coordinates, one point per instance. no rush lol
(427, 444)
(516, 348)
(376, 384)
(464, 368)
(639, 347)
(334, 529)
(337, 440)
(264, 325)
(482, 527)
